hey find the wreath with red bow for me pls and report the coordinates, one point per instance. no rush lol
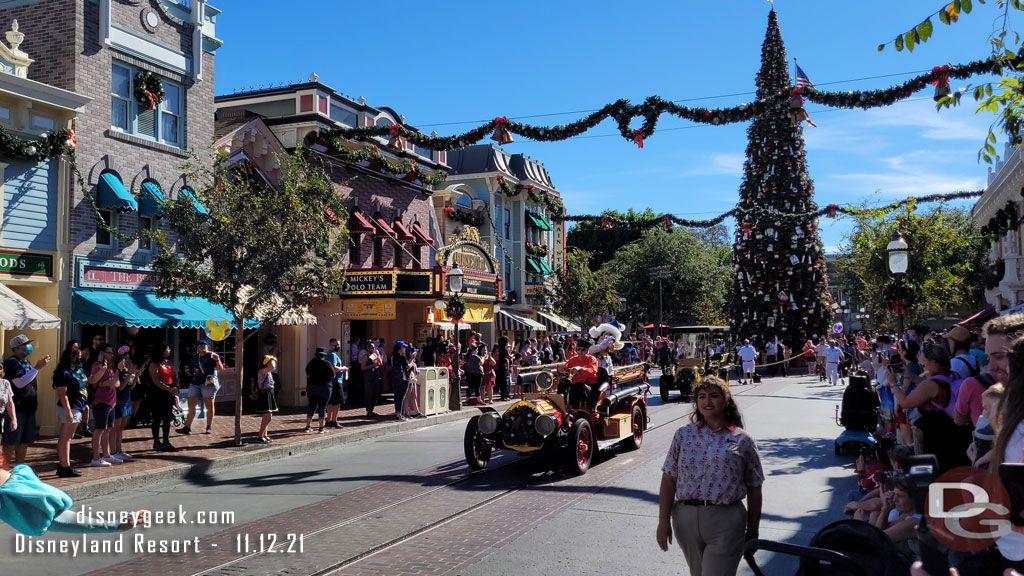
(149, 89)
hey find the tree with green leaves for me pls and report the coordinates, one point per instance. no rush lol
(581, 293)
(694, 285)
(1005, 97)
(257, 249)
(603, 242)
(948, 260)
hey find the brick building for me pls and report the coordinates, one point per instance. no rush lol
(128, 152)
(393, 280)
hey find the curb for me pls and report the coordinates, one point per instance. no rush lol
(262, 453)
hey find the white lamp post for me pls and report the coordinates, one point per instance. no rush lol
(899, 261)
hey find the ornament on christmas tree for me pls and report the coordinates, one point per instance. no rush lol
(396, 143)
(501, 132)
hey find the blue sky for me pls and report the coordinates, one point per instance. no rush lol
(444, 63)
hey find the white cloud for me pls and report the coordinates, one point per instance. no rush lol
(900, 184)
(720, 165)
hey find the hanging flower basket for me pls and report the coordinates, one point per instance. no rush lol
(149, 90)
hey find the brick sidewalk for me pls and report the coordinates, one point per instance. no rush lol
(285, 429)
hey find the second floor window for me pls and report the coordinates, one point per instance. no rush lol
(162, 124)
(508, 224)
(104, 239)
(145, 225)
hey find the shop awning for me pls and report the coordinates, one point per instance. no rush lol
(295, 317)
(1012, 310)
(382, 227)
(113, 195)
(152, 200)
(402, 232)
(17, 313)
(538, 221)
(421, 236)
(450, 326)
(358, 224)
(556, 323)
(195, 201)
(538, 265)
(508, 320)
(981, 317)
(145, 310)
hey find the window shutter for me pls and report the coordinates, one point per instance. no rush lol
(147, 122)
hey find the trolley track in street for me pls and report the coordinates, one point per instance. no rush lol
(467, 483)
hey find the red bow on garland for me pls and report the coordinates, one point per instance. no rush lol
(941, 75)
(394, 129)
(638, 137)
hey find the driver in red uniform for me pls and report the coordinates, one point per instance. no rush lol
(582, 370)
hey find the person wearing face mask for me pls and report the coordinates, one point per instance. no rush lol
(22, 375)
(339, 385)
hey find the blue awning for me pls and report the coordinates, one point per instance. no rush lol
(145, 310)
(151, 203)
(113, 195)
(199, 207)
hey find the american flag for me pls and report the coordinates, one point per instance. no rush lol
(802, 81)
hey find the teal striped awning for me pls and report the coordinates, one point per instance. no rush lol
(152, 200)
(195, 202)
(112, 194)
(145, 309)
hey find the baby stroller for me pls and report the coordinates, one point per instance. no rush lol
(845, 547)
(858, 414)
(177, 414)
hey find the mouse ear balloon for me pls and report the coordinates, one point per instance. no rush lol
(217, 329)
(838, 328)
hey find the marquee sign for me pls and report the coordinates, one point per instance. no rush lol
(466, 250)
(370, 283)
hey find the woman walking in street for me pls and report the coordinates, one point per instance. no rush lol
(712, 465)
(370, 363)
(69, 384)
(266, 405)
(163, 395)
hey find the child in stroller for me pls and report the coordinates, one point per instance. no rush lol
(858, 414)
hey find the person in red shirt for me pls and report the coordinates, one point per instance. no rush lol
(582, 371)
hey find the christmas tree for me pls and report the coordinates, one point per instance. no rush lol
(780, 283)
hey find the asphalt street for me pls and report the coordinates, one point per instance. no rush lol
(406, 504)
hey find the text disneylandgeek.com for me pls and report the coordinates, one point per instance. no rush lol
(137, 541)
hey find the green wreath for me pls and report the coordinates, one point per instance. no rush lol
(149, 89)
(455, 308)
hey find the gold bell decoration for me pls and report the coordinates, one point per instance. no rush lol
(501, 133)
(397, 142)
(941, 82)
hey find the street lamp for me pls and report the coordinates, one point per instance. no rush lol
(455, 286)
(899, 261)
